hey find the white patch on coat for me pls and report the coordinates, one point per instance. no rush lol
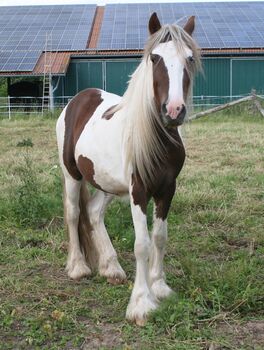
(101, 141)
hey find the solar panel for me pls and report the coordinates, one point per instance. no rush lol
(23, 32)
(218, 24)
(18, 60)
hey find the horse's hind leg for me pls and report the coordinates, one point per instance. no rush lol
(76, 264)
(109, 266)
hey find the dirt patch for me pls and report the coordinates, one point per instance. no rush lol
(249, 335)
(104, 335)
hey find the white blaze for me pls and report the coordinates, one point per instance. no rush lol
(175, 64)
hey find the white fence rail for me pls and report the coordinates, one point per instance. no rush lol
(11, 106)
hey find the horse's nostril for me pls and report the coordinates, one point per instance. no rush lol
(178, 108)
(183, 111)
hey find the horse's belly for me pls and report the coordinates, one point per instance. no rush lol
(110, 180)
(104, 173)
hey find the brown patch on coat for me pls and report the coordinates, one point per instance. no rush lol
(163, 188)
(78, 113)
(86, 167)
(160, 80)
(108, 114)
(140, 196)
(163, 200)
(167, 173)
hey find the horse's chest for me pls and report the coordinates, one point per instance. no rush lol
(170, 169)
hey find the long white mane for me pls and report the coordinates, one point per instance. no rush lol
(144, 147)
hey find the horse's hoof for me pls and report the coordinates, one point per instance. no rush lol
(139, 307)
(113, 272)
(160, 289)
(79, 271)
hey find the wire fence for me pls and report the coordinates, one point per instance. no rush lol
(12, 106)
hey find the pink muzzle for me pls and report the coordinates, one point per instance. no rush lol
(174, 108)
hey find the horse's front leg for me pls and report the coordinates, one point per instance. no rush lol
(159, 237)
(142, 301)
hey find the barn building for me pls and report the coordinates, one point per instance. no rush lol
(78, 46)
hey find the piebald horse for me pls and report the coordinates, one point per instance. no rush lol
(128, 145)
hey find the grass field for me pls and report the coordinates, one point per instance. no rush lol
(214, 259)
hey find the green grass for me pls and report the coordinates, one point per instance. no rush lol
(214, 259)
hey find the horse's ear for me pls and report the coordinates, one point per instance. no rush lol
(154, 23)
(189, 26)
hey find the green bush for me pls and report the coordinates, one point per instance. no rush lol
(34, 201)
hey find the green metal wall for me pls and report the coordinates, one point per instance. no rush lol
(215, 78)
(89, 75)
(247, 74)
(117, 75)
(83, 74)
(221, 76)
(109, 75)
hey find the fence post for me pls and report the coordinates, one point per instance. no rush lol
(256, 103)
(9, 107)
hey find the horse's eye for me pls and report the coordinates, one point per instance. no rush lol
(154, 58)
(191, 59)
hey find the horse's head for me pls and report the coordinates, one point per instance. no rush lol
(174, 57)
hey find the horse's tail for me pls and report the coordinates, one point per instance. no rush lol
(85, 228)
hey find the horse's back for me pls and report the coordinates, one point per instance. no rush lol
(82, 107)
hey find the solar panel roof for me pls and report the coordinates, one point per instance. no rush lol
(218, 24)
(23, 29)
(23, 32)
